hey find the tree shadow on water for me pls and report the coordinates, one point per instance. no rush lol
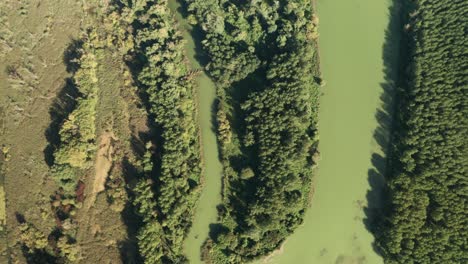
(196, 32)
(377, 196)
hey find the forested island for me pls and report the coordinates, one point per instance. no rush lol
(426, 220)
(263, 58)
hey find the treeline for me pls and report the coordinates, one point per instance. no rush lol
(167, 193)
(262, 55)
(78, 133)
(73, 156)
(426, 221)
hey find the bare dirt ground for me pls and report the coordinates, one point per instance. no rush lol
(93, 232)
(102, 167)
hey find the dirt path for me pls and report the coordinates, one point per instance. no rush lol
(102, 167)
(90, 224)
(96, 184)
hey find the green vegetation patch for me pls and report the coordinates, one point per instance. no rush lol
(73, 156)
(262, 56)
(427, 220)
(78, 132)
(167, 193)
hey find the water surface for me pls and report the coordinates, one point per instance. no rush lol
(352, 36)
(206, 213)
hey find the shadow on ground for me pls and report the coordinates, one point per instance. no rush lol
(34, 256)
(129, 253)
(65, 101)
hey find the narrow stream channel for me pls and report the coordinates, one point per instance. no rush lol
(206, 213)
(352, 38)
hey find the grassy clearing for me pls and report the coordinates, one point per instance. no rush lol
(31, 62)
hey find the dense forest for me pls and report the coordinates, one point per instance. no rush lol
(262, 56)
(426, 220)
(166, 194)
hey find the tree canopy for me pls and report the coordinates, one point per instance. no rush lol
(262, 55)
(427, 220)
(167, 194)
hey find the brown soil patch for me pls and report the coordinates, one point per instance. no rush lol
(102, 166)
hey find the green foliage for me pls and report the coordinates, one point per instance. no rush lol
(68, 250)
(32, 238)
(154, 244)
(116, 192)
(224, 128)
(35, 245)
(247, 173)
(66, 176)
(40, 251)
(167, 195)
(262, 56)
(427, 220)
(78, 132)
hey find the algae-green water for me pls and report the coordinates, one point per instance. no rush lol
(352, 36)
(206, 213)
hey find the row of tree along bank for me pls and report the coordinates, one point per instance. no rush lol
(167, 193)
(426, 221)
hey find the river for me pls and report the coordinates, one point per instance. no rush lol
(352, 38)
(206, 212)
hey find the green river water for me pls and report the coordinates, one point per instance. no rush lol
(352, 35)
(206, 213)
